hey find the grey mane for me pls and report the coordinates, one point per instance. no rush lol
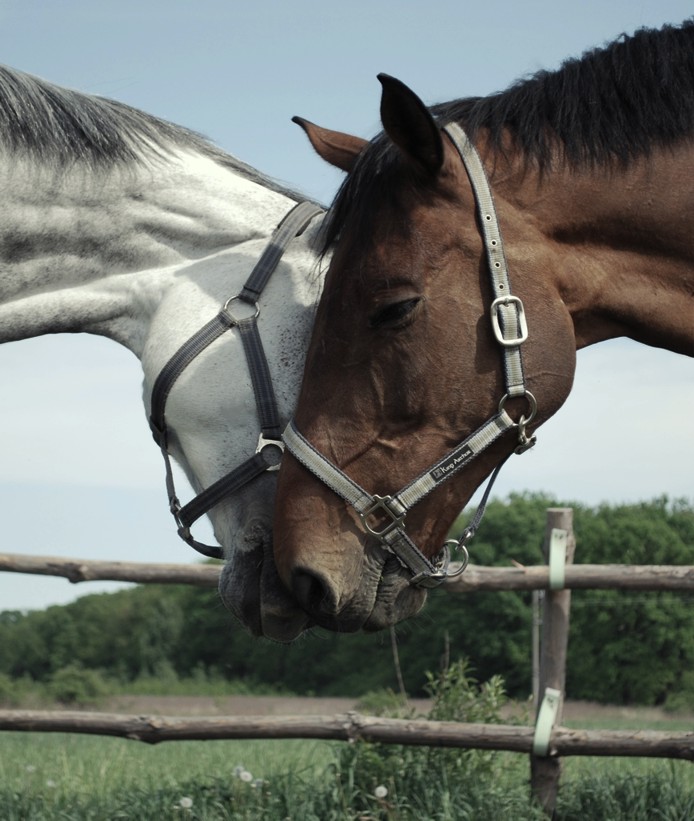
(61, 128)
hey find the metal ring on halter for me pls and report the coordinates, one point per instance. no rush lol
(525, 442)
(458, 545)
(272, 451)
(532, 406)
(440, 570)
(235, 320)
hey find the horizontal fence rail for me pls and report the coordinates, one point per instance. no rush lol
(83, 570)
(475, 577)
(353, 726)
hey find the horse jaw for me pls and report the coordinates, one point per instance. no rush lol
(249, 584)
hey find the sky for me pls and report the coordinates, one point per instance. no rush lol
(79, 473)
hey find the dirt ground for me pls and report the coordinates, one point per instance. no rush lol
(232, 705)
(286, 705)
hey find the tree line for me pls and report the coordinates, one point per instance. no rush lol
(630, 648)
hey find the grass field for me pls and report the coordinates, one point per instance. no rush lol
(56, 776)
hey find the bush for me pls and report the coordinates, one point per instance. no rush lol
(382, 703)
(76, 686)
(387, 780)
(9, 695)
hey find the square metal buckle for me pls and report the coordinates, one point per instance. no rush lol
(521, 320)
(381, 506)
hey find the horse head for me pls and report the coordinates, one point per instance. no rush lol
(404, 365)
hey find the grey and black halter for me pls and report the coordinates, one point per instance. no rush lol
(384, 516)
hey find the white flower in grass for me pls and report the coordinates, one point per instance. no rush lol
(381, 791)
(244, 775)
(50, 783)
(30, 768)
(185, 803)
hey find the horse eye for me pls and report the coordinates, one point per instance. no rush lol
(395, 315)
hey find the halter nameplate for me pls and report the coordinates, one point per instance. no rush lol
(510, 331)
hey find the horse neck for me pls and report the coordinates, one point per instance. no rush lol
(95, 250)
(617, 245)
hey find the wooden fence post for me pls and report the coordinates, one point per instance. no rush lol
(546, 769)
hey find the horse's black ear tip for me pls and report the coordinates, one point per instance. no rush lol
(303, 123)
(387, 80)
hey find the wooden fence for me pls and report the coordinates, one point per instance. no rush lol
(546, 743)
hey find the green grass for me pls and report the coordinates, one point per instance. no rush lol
(575, 768)
(65, 776)
(56, 777)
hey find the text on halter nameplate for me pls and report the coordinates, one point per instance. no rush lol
(454, 461)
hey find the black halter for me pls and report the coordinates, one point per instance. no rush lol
(233, 314)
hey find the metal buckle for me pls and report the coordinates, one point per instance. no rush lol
(525, 442)
(441, 572)
(226, 308)
(380, 503)
(520, 317)
(265, 446)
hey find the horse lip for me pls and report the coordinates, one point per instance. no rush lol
(391, 566)
(281, 621)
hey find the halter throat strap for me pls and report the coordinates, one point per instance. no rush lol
(384, 516)
(238, 312)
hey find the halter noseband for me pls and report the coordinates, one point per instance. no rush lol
(384, 516)
(241, 312)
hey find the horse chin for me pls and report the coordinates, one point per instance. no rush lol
(382, 598)
(251, 589)
(397, 600)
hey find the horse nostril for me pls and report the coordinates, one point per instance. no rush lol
(313, 593)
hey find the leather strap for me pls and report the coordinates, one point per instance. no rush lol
(270, 445)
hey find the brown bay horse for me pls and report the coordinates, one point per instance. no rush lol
(476, 245)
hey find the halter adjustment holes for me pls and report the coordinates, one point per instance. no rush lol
(396, 315)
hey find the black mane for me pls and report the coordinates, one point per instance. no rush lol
(612, 105)
(60, 127)
(615, 103)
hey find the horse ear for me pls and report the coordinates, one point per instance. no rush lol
(340, 150)
(409, 124)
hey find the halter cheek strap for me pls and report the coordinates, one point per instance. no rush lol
(384, 516)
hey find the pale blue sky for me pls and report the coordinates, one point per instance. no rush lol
(79, 474)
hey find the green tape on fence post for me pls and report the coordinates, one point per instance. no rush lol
(544, 724)
(557, 558)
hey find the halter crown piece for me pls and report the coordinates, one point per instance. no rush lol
(240, 312)
(384, 516)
